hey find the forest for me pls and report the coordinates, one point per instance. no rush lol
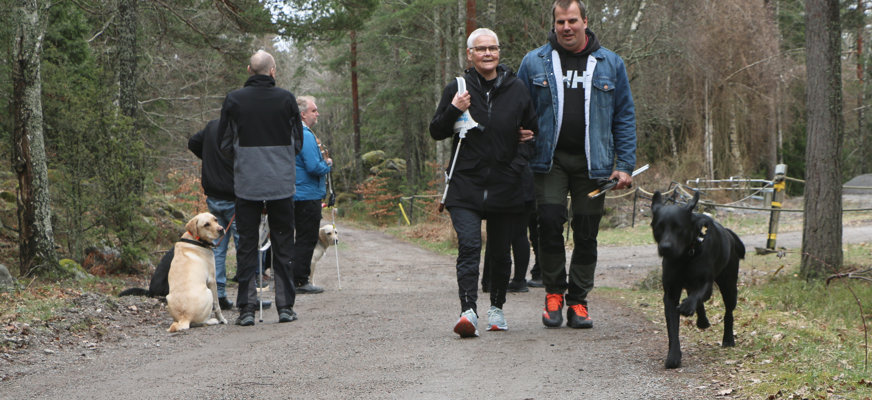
(720, 89)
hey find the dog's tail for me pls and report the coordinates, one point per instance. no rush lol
(738, 246)
(135, 292)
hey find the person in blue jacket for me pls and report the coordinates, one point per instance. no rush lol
(587, 133)
(312, 168)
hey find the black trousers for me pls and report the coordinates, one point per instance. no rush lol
(280, 216)
(520, 255)
(307, 222)
(535, 272)
(501, 229)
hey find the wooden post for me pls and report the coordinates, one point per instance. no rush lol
(778, 184)
(635, 197)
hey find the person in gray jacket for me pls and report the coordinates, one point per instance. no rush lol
(587, 133)
(265, 135)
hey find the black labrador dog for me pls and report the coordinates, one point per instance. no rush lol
(696, 251)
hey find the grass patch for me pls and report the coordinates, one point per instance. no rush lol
(438, 237)
(631, 236)
(794, 339)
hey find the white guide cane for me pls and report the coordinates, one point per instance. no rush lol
(332, 204)
(263, 244)
(336, 246)
(461, 126)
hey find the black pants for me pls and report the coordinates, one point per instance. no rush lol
(520, 257)
(307, 222)
(568, 175)
(280, 215)
(535, 272)
(501, 228)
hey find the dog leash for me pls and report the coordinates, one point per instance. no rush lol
(227, 230)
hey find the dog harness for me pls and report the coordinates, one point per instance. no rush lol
(699, 240)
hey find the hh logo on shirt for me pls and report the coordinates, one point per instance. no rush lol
(573, 80)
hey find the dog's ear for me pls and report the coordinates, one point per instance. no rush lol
(692, 203)
(191, 226)
(656, 201)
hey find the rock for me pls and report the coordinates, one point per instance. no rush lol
(391, 166)
(73, 269)
(373, 158)
(7, 282)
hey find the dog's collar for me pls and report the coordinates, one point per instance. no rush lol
(197, 242)
(699, 239)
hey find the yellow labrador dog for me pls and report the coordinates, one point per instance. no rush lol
(193, 296)
(327, 236)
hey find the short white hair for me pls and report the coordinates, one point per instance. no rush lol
(480, 32)
(304, 101)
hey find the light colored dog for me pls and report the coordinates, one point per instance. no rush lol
(327, 236)
(193, 293)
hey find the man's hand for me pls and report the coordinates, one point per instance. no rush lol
(524, 135)
(461, 101)
(624, 179)
(329, 162)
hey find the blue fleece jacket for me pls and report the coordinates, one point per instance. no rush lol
(311, 169)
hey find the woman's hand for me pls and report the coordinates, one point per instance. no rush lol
(461, 101)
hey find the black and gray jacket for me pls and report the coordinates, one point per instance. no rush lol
(265, 135)
(492, 172)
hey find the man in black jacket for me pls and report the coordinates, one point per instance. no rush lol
(265, 133)
(217, 181)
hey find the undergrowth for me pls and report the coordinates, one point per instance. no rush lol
(794, 339)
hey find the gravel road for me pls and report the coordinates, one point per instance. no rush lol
(387, 334)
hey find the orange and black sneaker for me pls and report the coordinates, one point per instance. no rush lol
(552, 316)
(576, 317)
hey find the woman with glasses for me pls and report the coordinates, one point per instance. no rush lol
(491, 179)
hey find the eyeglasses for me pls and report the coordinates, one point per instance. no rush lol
(484, 49)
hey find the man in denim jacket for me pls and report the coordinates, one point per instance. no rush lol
(587, 132)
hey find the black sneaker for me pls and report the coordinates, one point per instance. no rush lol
(287, 314)
(224, 303)
(535, 282)
(518, 287)
(246, 315)
(577, 317)
(552, 316)
(309, 288)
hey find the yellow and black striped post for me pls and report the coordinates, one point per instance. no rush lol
(778, 184)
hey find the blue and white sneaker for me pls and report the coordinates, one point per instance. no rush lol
(496, 321)
(467, 325)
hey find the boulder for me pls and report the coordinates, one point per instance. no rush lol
(7, 282)
(373, 158)
(391, 166)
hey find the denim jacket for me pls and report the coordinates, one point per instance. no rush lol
(610, 137)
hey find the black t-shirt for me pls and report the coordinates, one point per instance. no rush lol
(573, 65)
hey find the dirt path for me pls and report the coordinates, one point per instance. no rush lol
(386, 334)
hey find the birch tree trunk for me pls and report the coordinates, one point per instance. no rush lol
(35, 237)
(735, 144)
(709, 133)
(822, 221)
